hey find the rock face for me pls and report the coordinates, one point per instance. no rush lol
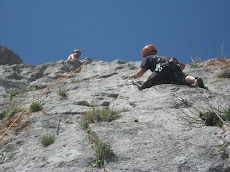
(7, 56)
(159, 129)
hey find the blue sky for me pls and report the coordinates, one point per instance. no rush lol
(41, 31)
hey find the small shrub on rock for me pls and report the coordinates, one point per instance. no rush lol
(225, 73)
(13, 111)
(84, 124)
(102, 151)
(47, 140)
(13, 93)
(211, 119)
(35, 107)
(62, 93)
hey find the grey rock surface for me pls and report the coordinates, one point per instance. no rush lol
(7, 56)
(159, 129)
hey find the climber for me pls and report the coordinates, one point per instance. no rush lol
(164, 70)
(75, 55)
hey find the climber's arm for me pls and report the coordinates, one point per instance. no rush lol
(139, 73)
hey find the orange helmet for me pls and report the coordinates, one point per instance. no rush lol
(148, 49)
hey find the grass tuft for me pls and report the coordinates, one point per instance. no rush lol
(225, 73)
(15, 92)
(62, 93)
(98, 116)
(102, 151)
(47, 140)
(13, 109)
(35, 107)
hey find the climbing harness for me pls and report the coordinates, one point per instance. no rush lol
(47, 88)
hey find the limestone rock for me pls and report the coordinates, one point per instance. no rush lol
(7, 56)
(159, 128)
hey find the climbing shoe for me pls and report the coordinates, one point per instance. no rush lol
(199, 83)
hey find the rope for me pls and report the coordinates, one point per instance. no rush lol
(41, 95)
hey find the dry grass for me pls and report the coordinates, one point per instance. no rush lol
(225, 73)
(221, 63)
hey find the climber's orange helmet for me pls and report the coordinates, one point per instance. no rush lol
(148, 49)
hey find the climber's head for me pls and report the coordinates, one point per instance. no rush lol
(148, 50)
(77, 53)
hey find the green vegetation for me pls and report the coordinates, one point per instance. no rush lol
(102, 152)
(225, 73)
(13, 109)
(227, 115)
(62, 93)
(35, 107)
(47, 140)
(98, 116)
(15, 92)
(84, 124)
(211, 119)
(223, 150)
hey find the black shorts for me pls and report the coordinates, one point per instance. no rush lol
(166, 76)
